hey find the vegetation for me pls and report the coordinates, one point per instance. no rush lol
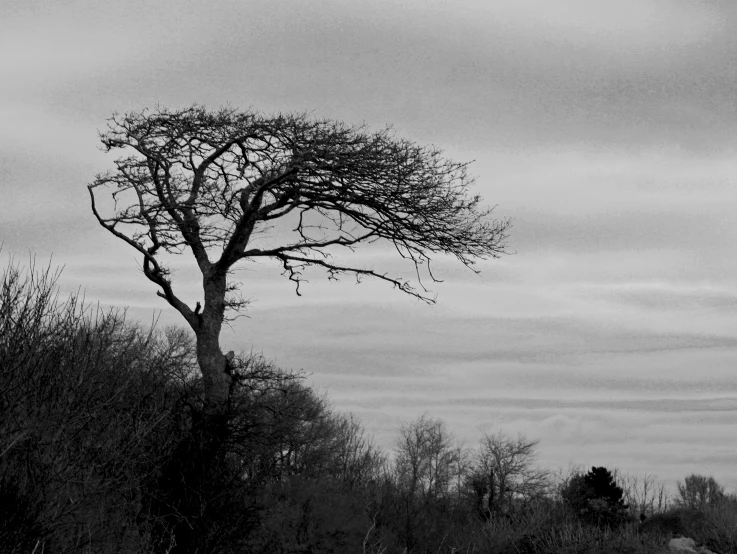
(97, 456)
(596, 498)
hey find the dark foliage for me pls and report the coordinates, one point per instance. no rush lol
(105, 444)
(595, 498)
(20, 528)
(86, 403)
(677, 522)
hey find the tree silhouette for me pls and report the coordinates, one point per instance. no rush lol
(504, 469)
(602, 483)
(215, 182)
(596, 498)
(696, 492)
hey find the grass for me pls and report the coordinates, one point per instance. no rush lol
(551, 531)
(716, 528)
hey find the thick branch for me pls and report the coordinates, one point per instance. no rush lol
(151, 268)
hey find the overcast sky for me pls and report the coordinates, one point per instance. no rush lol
(606, 130)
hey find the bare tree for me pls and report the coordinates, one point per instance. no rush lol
(643, 495)
(424, 457)
(697, 492)
(213, 182)
(505, 466)
(425, 462)
(358, 460)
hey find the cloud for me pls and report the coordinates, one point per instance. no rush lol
(464, 73)
(568, 428)
(667, 296)
(58, 42)
(573, 178)
(624, 27)
(29, 133)
(593, 233)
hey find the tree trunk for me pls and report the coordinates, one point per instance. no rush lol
(210, 357)
(213, 364)
(492, 499)
(195, 478)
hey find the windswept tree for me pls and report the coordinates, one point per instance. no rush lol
(215, 182)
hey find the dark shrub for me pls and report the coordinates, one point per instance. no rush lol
(20, 529)
(595, 498)
(86, 406)
(678, 522)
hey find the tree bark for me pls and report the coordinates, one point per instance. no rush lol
(210, 356)
(196, 476)
(212, 363)
(492, 499)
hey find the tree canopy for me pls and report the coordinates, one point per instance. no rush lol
(217, 183)
(214, 181)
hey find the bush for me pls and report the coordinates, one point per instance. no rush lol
(20, 530)
(105, 447)
(596, 499)
(309, 515)
(675, 522)
(87, 405)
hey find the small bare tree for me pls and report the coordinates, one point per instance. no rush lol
(425, 456)
(505, 467)
(426, 459)
(642, 494)
(358, 460)
(213, 182)
(698, 491)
